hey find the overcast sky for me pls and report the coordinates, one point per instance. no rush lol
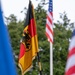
(59, 6)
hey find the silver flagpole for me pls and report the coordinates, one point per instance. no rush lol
(51, 59)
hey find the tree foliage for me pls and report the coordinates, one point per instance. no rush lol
(62, 33)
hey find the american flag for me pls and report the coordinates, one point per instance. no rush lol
(70, 66)
(49, 22)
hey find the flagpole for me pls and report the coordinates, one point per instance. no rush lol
(39, 63)
(51, 59)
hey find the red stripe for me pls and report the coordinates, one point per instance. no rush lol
(51, 13)
(49, 19)
(22, 50)
(72, 51)
(47, 26)
(32, 27)
(50, 40)
(71, 71)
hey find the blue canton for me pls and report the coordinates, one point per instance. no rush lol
(50, 6)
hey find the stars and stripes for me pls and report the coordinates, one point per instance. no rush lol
(49, 22)
(70, 66)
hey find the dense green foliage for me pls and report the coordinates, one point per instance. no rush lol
(62, 34)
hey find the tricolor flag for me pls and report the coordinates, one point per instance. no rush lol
(7, 64)
(70, 65)
(29, 42)
(49, 22)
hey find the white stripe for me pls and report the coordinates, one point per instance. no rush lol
(50, 16)
(49, 33)
(70, 62)
(49, 24)
(72, 43)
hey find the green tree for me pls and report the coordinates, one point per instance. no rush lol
(62, 33)
(15, 31)
(61, 42)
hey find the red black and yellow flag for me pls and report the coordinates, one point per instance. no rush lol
(29, 43)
